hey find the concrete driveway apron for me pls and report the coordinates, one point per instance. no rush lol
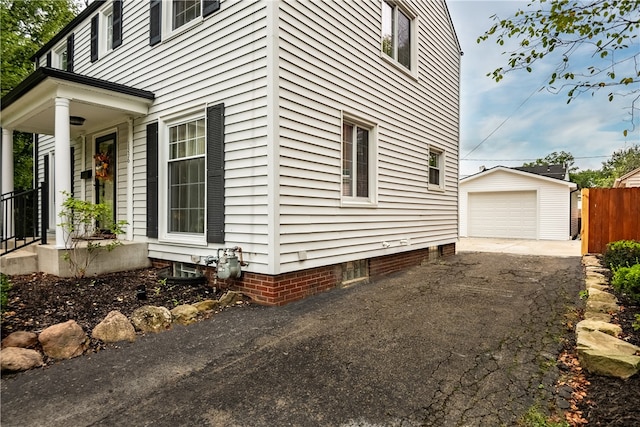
(470, 340)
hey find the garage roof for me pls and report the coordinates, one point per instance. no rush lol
(495, 169)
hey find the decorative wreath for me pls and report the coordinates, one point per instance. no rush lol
(102, 166)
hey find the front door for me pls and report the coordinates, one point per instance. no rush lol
(105, 161)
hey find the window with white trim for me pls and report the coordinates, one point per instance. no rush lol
(397, 34)
(358, 155)
(184, 11)
(107, 30)
(61, 58)
(186, 177)
(436, 169)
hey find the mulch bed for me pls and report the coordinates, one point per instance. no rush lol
(38, 300)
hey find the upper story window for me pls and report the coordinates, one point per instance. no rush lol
(436, 169)
(358, 157)
(166, 18)
(185, 11)
(106, 30)
(61, 58)
(397, 34)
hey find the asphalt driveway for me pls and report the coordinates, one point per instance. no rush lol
(470, 340)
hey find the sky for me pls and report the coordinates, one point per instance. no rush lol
(517, 121)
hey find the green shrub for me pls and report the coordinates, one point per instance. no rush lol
(5, 285)
(627, 281)
(623, 253)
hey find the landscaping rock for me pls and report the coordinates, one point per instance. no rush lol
(206, 305)
(613, 365)
(184, 314)
(594, 275)
(22, 339)
(601, 307)
(601, 296)
(599, 284)
(594, 315)
(590, 260)
(229, 298)
(590, 325)
(64, 340)
(150, 318)
(19, 359)
(114, 328)
(596, 340)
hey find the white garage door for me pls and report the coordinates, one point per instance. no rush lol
(509, 214)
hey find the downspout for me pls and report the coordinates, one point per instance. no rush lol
(129, 234)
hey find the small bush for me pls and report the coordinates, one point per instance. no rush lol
(623, 253)
(627, 281)
(5, 285)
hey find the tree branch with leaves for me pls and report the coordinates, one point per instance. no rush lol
(607, 31)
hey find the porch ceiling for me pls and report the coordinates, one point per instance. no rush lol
(30, 107)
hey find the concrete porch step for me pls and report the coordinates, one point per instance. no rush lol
(22, 261)
(49, 259)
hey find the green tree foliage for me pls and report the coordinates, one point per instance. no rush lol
(607, 31)
(26, 26)
(621, 162)
(555, 158)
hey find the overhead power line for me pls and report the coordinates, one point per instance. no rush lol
(503, 122)
(529, 160)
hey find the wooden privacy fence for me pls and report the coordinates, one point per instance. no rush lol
(609, 214)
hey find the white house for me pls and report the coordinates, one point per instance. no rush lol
(511, 203)
(320, 138)
(631, 179)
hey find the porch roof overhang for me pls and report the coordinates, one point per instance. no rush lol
(30, 107)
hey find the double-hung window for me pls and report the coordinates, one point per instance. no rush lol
(185, 11)
(168, 18)
(357, 158)
(187, 178)
(397, 34)
(436, 169)
(61, 55)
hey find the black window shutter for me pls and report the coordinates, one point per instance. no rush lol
(70, 46)
(117, 24)
(215, 174)
(209, 6)
(155, 22)
(94, 38)
(48, 59)
(152, 180)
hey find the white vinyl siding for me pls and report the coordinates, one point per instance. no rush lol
(285, 98)
(327, 68)
(553, 200)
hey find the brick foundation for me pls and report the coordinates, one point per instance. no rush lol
(288, 287)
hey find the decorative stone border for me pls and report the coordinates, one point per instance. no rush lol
(600, 350)
(67, 340)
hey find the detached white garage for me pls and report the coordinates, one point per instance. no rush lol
(509, 203)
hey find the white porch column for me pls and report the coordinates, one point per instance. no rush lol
(62, 134)
(7, 173)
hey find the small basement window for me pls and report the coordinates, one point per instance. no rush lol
(185, 270)
(355, 270)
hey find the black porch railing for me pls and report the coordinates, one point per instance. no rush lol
(24, 218)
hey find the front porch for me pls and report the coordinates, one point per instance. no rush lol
(50, 259)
